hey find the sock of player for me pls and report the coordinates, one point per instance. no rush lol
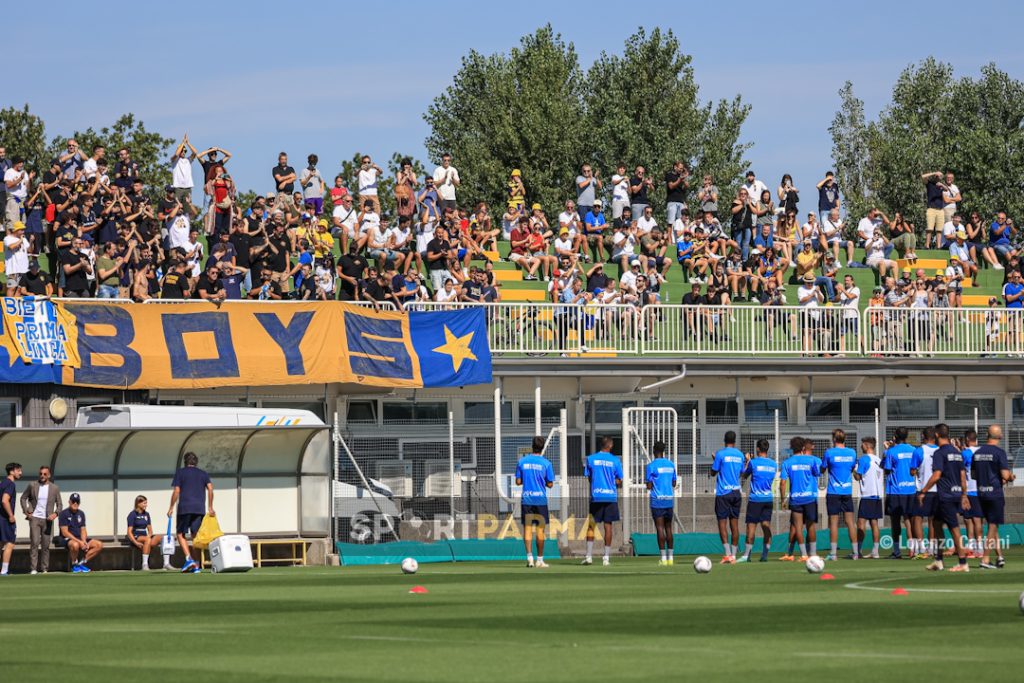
(590, 549)
(664, 555)
(145, 559)
(874, 549)
(607, 552)
(834, 548)
(540, 558)
(803, 550)
(746, 552)
(671, 554)
(726, 548)
(529, 556)
(792, 544)
(3, 570)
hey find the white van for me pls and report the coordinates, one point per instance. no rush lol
(357, 508)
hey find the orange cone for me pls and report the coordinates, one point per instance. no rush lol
(418, 590)
(827, 577)
(900, 591)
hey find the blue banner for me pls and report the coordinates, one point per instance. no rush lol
(452, 347)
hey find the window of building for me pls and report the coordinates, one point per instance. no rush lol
(610, 411)
(825, 409)
(482, 412)
(407, 411)
(9, 412)
(763, 410)
(721, 410)
(913, 408)
(863, 409)
(963, 409)
(684, 409)
(362, 412)
(550, 412)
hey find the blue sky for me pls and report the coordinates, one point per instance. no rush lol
(331, 78)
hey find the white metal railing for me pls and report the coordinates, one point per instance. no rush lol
(549, 328)
(923, 332)
(750, 330)
(383, 305)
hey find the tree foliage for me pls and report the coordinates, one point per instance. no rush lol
(23, 134)
(935, 121)
(850, 151)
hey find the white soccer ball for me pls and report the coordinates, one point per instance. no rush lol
(409, 566)
(814, 564)
(1020, 602)
(702, 565)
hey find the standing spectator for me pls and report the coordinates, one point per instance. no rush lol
(41, 504)
(5, 165)
(639, 186)
(351, 268)
(848, 296)
(8, 520)
(707, 195)
(284, 181)
(950, 197)
(406, 183)
(77, 268)
(16, 258)
(368, 178)
(810, 298)
(754, 187)
(743, 220)
(75, 536)
(587, 185)
(181, 173)
(620, 190)
(446, 178)
(677, 182)
(828, 196)
(91, 166)
(516, 191)
(935, 207)
(312, 186)
(109, 267)
(72, 161)
(438, 251)
(16, 180)
(789, 196)
(193, 496)
(175, 283)
(125, 166)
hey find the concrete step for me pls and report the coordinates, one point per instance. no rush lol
(515, 294)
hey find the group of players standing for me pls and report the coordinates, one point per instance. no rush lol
(934, 484)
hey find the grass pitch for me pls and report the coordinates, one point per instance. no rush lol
(632, 621)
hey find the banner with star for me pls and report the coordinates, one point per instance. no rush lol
(204, 345)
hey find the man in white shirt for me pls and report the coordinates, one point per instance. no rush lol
(446, 178)
(369, 173)
(646, 223)
(832, 232)
(620, 191)
(344, 218)
(16, 257)
(91, 165)
(178, 231)
(627, 284)
(754, 187)
(961, 251)
(951, 197)
(40, 503)
(848, 296)
(16, 180)
(811, 231)
(950, 228)
(809, 298)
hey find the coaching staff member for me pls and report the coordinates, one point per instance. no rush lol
(190, 484)
(41, 504)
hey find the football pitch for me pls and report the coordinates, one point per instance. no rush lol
(632, 621)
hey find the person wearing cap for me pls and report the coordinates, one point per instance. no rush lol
(563, 246)
(809, 298)
(954, 275)
(961, 250)
(516, 190)
(36, 282)
(75, 537)
(16, 257)
(572, 221)
(595, 225)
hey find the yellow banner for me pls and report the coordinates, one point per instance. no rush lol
(38, 332)
(202, 345)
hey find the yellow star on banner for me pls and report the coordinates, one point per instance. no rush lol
(456, 347)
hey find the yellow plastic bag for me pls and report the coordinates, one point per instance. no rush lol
(208, 531)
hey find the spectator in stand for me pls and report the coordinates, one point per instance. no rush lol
(175, 284)
(738, 275)
(516, 191)
(620, 190)
(537, 242)
(519, 253)
(446, 178)
(810, 233)
(368, 179)
(764, 214)
(809, 298)
(181, 173)
(339, 190)
(284, 182)
(16, 180)
(743, 216)
(903, 237)
(960, 250)
(975, 230)
(950, 197)
(707, 195)
(16, 258)
(595, 228)
(935, 207)
(832, 233)
(312, 186)
(770, 268)
(345, 222)
(76, 268)
(789, 196)
(639, 186)
(848, 296)
(787, 231)
(233, 278)
(438, 252)
(571, 221)
(209, 286)
(677, 182)
(624, 242)
(753, 186)
(588, 184)
(999, 234)
(807, 259)
(109, 268)
(828, 196)
(874, 255)
(36, 282)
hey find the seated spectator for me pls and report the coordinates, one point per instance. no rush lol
(976, 239)
(786, 231)
(958, 248)
(537, 246)
(653, 248)
(999, 234)
(267, 289)
(624, 243)
(233, 278)
(954, 276)
(950, 229)
(807, 259)
(518, 250)
(764, 239)
(875, 250)
(448, 293)
(684, 253)
(738, 275)
(36, 282)
(595, 227)
(832, 235)
(75, 537)
(140, 532)
(770, 268)
(903, 237)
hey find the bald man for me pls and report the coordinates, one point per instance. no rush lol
(990, 468)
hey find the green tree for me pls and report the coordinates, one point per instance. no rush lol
(23, 134)
(850, 151)
(643, 107)
(150, 150)
(521, 110)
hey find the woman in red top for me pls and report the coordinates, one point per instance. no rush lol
(223, 190)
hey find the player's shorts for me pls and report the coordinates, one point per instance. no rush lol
(949, 512)
(838, 503)
(759, 512)
(808, 510)
(662, 513)
(604, 512)
(929, 507)
(899, 504)
(189, 522)
(537, 515)
(992, 509)
(728, 506)
(62, 542)
(869, 508)
(8, 531)
(975, 511)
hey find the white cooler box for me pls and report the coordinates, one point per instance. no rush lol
(230, 553)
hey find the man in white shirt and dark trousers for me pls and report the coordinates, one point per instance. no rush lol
(41, 504)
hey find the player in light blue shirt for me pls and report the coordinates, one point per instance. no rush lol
(800, 473)
(871, 476)
(604, 472)
(761, 471)
(974, 528)
(536, 475)
(900, 487)
(726, 468)
(661, 478)
(840, 462)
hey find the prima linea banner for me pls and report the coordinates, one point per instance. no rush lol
(201, 345)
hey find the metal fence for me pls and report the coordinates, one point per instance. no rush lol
(922, 332)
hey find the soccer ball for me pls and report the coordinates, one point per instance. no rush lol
(409, 566)
(702, 565)
(815, 564)
(1020, 602)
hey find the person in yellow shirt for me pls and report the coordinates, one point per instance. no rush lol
(807, 260)
(516, 191)
(322, 240)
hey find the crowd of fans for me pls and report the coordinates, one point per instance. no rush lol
(104, 236)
